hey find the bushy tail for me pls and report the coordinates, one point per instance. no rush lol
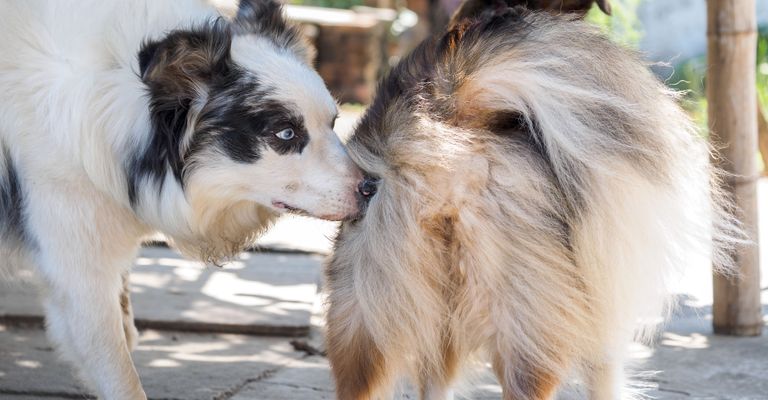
(645, 203)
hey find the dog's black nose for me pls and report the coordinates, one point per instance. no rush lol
(367, 187)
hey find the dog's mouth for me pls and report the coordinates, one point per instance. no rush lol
(300, 211)
(289, 208)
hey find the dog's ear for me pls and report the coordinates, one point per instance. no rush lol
(473, 8)
(259, 16)
(185, 60)
(266, 18)
(178, 70)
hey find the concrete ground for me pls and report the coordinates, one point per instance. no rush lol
(210, 364)
(210, 334)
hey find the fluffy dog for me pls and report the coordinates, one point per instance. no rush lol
(537, 187)
(119, 119)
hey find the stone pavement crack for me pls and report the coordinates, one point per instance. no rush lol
(44, 394)
(294, 386)
(229, 393)
(308, 349)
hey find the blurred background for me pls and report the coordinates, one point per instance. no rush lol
(359, 40)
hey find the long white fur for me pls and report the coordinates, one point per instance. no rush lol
(74, 111)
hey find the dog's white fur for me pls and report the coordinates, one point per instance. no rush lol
(538, 246)
(74, 110)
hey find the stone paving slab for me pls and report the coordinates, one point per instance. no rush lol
(690, 364)
(307, 378)
(261, 293)
(172, 365)
(29, 365)
(693, 364)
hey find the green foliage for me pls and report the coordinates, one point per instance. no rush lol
(689, 77)
(762, 67)
(623, 25)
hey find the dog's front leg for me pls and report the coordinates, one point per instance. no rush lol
(131, 334)
(88, 331)
(83, 247)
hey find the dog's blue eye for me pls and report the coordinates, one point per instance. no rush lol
(286, 134)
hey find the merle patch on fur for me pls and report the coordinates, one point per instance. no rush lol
(415, 83)
(405, 86)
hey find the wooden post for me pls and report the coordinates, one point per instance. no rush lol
(732, 41)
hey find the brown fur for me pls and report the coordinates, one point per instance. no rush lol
(527, 382)
(529, 211)
(359, 368)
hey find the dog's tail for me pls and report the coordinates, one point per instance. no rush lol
(643, 198)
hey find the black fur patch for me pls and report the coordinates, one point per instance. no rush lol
(238, 115)
(172, 69)
(511, 121)
(241, 119)
(12, 218)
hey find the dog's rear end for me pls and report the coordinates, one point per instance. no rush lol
(538, 189)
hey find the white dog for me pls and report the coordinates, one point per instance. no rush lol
(119, 119)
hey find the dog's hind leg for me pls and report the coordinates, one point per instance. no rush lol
(436, 390)
(604, 373)
(436, 384)
(360, 369)
(83, 246)
(129, 327)
(606, 381)
(522, 380)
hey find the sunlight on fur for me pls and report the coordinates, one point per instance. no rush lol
(539, 190)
